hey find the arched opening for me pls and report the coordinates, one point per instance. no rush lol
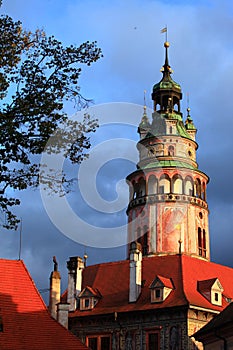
(136, 189)
(131, 190)
(177, 184)
(164, 184)
(176, 104)
(152, 185)
(188, 187)
(203, 191)
(166, 102)
(142, 187)
(198, 188)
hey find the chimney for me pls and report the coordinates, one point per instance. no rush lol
(62, 314)
(75, 267)
(55, 289)
(135, 267)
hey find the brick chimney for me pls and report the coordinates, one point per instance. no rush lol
(75, 267)
(135, 267)
(55, 289)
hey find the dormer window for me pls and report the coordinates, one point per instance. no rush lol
(157, 293)
(161, 287)
(212, 290)
(87, 303)
(89, 297)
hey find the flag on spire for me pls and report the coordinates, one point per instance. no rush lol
(164, 30)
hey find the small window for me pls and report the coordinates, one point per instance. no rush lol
(170, 129)
(171, 151)
(87, 303)
(92, 343)
(216, 296)
(158, 293)
(105, 343)
(101, 342)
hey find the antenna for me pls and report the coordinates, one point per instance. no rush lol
(20, 237)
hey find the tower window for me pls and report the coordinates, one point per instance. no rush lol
(171, 151)
(201, 242)
(170, 129)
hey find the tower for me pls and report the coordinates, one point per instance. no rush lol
(168, 211)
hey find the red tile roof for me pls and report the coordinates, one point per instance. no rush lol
(112, 281)
(24, 316)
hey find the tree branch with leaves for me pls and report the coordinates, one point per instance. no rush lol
(37, 75)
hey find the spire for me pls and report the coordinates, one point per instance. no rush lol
(167, 93)
(189, 122)
(166, 68)
(144, 125)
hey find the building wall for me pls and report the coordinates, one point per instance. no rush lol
(131, 331)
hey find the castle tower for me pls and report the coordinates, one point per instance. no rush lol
(168, 211)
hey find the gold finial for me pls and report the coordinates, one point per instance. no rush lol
(166, 44)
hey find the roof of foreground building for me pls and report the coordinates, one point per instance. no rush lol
(24, 320)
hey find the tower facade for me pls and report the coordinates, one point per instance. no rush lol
(168, 210)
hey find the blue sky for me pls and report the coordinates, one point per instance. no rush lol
(201, 55)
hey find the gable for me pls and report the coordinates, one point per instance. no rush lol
(89, 292)
(160, 282)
